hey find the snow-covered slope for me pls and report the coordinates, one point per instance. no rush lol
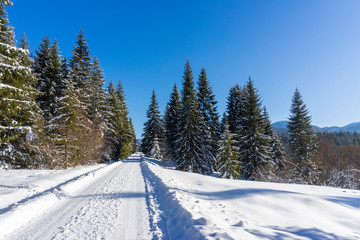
(139, 199)
(281, 127)
(234, 209)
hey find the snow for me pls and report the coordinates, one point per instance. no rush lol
(138, 198)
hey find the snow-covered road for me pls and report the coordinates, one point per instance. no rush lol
(112, 207)
(138, 198)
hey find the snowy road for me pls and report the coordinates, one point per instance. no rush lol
(113, 207)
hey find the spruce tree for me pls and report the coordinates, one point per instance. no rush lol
(210, 119)
(253, 143)
(234, 108)
(81, 70)
(171, 123)
(18, 110)
(153, 131)
(97, 94)
(119, 133)
(189, 152)
(228, 155)
(6, 2)
(276, 147)
(302, 142)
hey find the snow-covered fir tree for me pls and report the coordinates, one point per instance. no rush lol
(18, 110)
(153, 131)
(234, 108)
(302, 142)
(227, 158)
(6, 2)
(119, 133)
(276, 147)
(134, 145)
(80, 73)
(96, 94)
(171, 123)
(210, 119)
(253, 143)
(188, 151)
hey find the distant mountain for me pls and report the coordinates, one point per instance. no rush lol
(281, 127)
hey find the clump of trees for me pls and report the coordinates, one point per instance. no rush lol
(54, 112)
(243, 145)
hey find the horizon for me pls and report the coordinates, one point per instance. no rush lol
(282, 45)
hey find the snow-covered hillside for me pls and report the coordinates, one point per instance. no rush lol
(139, 199)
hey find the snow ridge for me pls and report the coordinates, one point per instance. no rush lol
(172, 219)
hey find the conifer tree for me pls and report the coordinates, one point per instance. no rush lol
(134, 146)
(253, 143)
(97, 94)
(210, 119)
(228, 155)
(234, 108)
(81, 70)
(119, 133)
(18, 110)
(171, 122)
(153, 131)
(189, 152)
(276, 147)
(303, 145)
(6, 2)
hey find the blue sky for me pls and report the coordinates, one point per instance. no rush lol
(312, 44)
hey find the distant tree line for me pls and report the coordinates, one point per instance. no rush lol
(242, 144)
(54, 112)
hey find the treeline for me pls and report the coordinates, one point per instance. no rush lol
(242, 144)
(54, 112)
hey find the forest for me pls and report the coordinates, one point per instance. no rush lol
(55, 113)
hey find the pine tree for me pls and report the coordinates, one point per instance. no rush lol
(81, 70)
(303, 145)
(134, 146)
(227, 158)
(171, 123)
(6, 2)
(97, 94)
(276, 147)
(18, 110)
(119, 133)
(253, 143)
(153, 131)
(189, 152)
(234, 108)
(210, 119)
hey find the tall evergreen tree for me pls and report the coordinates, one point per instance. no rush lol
(189, 152)
(227, 157)
(97, 94)
(253, 143)
(234, 108)
(81, 70)
(153, 131)
(171, 122)
(18, 110)
(303, 145)
(276, 147)
(119, 132)
(210, 119)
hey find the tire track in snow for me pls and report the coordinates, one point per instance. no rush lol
(114, 207)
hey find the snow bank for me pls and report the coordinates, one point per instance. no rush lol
(211, 208)
(26, 194)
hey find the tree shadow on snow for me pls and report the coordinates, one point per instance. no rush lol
(236, 193)
(294, 233)
(112, 195)
(349, 201)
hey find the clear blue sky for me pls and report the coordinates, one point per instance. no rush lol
(313, 45)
